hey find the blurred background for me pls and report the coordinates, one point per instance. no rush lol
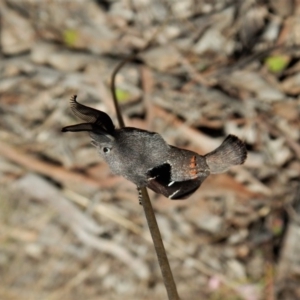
(69, 229)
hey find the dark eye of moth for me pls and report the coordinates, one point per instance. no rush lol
(106, 150)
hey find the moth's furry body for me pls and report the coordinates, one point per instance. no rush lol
(132, 152)
(145, 158)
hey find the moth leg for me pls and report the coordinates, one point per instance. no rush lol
(140, 195)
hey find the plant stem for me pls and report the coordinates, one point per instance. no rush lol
(148, 209)
(159, 247)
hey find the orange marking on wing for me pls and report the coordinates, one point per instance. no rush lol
(193, 166)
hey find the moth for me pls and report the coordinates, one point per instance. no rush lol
(144, 157)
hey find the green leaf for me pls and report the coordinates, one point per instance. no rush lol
(70, 37)
(277, 63)
(122, 95)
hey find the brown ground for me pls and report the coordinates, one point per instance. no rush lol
(69, 229)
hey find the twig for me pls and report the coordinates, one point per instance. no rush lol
(83, 227)
(274, 129)
(58, 173)
(173, 249)
(113, 88)
(147, 85)
(1, 33)
(159, 247)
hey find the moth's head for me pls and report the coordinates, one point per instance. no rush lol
(103, 142)
(98, 124)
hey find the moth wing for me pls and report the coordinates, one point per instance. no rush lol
(78, 127)
(230, 153)
(159, 180)
(178, 190)
(91, 115)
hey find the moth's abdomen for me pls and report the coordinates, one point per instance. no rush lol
(186, 165)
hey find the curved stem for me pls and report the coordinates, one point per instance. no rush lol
(113, 88)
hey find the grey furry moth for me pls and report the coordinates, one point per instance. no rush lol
(145, 158)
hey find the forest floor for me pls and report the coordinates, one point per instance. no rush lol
(69, 228)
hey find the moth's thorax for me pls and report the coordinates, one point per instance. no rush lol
(134, 152)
